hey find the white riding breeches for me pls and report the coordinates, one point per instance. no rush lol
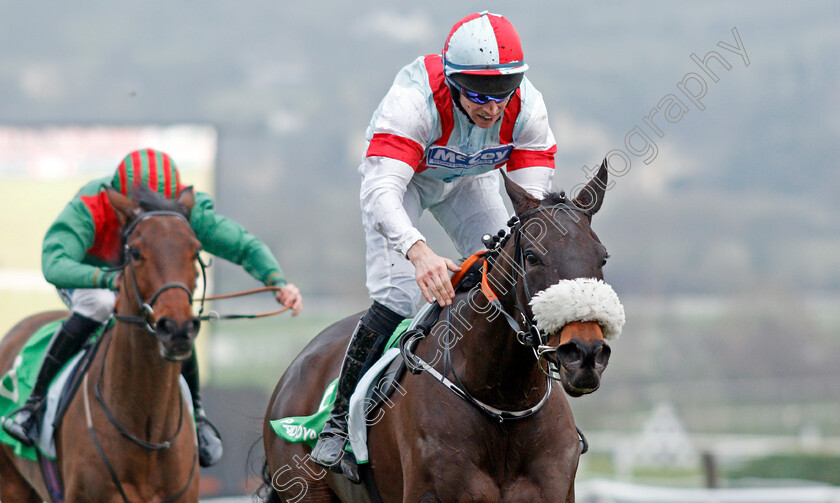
(94, 303)
(467, 208)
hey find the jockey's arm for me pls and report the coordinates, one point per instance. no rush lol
(384, 184)
(227, 239)
(383, 187)
(64, 248)
(536, 180)
(531, 164)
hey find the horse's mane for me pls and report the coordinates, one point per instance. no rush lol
(150, 200)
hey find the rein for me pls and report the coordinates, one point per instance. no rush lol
(531, 336)
(416, 365)
(147, 312)
(213, 315)
(149, 446)
(104, 457)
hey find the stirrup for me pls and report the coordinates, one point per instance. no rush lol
(210, 448)
(329, 451)
(349, 468)
(23, 429)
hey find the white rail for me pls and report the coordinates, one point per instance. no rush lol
(605, 491)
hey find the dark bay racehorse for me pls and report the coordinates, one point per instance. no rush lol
(510, 440)
(148, 445)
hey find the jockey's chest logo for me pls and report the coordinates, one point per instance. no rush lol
(444, 157)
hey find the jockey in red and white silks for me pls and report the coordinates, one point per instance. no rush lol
(423, 153)
(447, 123)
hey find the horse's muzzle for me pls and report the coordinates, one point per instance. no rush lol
(581, 365)
(175, 341)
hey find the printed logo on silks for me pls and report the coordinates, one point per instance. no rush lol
(444, 157)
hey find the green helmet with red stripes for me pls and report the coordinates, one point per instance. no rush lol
(149, 167)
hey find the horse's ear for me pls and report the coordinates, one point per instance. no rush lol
(126, 209)
(591, 196)
(520, 198)
(187, 198)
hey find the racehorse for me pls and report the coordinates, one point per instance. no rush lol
(124, 437)
(502, 436)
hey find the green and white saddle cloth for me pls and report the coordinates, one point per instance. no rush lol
(16, 386)
(307, 428)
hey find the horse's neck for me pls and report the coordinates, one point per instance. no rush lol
(139, 386)
(492, 361)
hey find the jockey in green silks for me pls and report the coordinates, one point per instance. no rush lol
(84, 243)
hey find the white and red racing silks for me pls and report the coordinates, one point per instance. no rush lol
(417, 131)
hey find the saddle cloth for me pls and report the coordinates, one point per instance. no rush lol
(362, 403)
(16, 386)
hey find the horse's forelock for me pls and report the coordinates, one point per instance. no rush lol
(149, 200)
(554, 198)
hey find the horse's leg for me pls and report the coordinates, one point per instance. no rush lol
(292, 476)
(13, 487)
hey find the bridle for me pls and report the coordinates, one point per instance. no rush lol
(147, 313)
(531, 336)
(145, 307)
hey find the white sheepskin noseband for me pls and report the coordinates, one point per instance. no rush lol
(582, 299)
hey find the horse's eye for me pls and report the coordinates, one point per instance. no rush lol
(531, 258)
(134, 252)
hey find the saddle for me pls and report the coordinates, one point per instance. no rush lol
(16, 385)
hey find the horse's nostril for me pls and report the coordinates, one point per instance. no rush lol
(602, 356)
(165, 326)
(192, 327)
(569, 353)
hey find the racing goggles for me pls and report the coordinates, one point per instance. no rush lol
(479, 98)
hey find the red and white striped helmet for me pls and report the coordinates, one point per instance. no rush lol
(483, 43)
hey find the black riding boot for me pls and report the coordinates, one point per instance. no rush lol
(329, 450)
(22, 424)
(366, 346)
(209, 439)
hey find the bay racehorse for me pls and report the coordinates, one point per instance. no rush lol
(539, 315)
(127, 435)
